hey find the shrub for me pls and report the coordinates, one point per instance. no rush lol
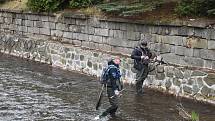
(195, 7)
(44, 5)
(2, 1)
(83, 3)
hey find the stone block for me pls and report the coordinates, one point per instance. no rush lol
(61, 26)
(187, 89)
(70, 21)
(94, 45)
(210, 79)
(76, 42)
(84, 37)
(169, 70)
(213, 34)
(160, 76)
(207, 34)
(160, 69)
(85, 43)
(163, 48)
(118, 34)
(97, 39)
(1, 20)
(45, 31)
(44, 18)
(18, 21)
(205, 91)
(208, 64)
(29, 23)
(67, 35)
(207, 54)
(190, 61)
(198, 32)
(132, 35)
(49, 25)
(179, 50)
(173, 31)
(23, 28)
(211, 45)
(168, 83)
(8, 20)
(80, 22)
(101, 32)
(176, 82)
(38, 24)
(56, 33)
(185, 31)
(197, 43)
(178, 73)
(33, 17)
(196, 52)
(198, 73)
(33, 30)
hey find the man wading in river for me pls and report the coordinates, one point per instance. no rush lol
(141, 56)
(114, 87)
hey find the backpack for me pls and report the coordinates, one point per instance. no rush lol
(105, 74)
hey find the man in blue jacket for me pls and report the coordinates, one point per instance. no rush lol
(113, 88)
(141, 55)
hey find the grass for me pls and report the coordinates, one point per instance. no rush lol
(14, 5)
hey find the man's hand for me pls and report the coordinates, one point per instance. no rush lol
(145, 57)
(116, 92)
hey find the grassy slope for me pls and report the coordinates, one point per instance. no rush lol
(15, 5)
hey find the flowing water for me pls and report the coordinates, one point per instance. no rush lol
(30, 91)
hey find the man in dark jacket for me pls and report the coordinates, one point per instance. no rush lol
(113, 88)
(141, 56)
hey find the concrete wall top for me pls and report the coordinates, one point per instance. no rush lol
(200, 23)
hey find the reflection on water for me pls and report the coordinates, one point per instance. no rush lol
(32, 91)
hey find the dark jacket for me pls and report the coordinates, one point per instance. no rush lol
(114, 77)
(136, 55)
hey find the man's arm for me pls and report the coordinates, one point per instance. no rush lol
(134, 55)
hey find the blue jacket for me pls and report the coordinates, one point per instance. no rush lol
(114, 76)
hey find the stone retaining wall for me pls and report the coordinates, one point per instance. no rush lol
(84, 44)
(177, 80)
(182, 43)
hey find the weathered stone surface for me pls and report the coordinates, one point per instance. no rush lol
(168, 83)
(160, 68)
(29, 23)
(178, 73)
(95, 66)
(176, 82)
(196, 43)
(190, 61)
(169, 71)
(211, 45)
(45, 31)
(207, 54)
(191, 81)
(195, 89)
(49, 25)
(198, 73)
(205, 91)
(33, 30)
(210, 79)
(160, 76)
(101, 32)
(200, 82)
(163, 48)
(187, 89)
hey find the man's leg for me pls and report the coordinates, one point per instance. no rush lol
(113, 102)
(140, 77)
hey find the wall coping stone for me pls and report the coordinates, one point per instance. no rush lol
(189, 23)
